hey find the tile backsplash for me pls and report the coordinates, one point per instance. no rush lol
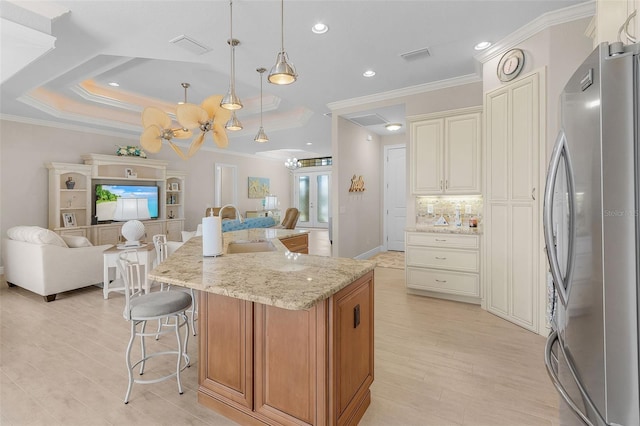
(470, 206)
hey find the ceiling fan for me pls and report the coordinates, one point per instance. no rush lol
(157, 126)
(207, 117)
(210, 116)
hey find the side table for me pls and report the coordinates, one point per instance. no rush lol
(146, 257)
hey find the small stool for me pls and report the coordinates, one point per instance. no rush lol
(140, 308)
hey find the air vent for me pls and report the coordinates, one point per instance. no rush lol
(368, 120)
(416, 54)
(190, 44)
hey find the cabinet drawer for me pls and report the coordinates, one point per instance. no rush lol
(443, 281)
(432, 257)
(443, 240)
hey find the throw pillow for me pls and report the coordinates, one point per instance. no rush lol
(35, 235)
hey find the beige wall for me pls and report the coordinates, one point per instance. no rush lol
(560, 50)
(25, 148)
(358, 227)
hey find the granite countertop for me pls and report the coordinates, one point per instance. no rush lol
(277, 278)
(450, 229)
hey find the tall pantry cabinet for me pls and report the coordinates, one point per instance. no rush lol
(514, 147)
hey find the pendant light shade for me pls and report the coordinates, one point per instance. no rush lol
(233, 124)
(283, 72)
(261, 136)
(231, 101)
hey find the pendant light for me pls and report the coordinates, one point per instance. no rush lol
(282, 72)
(233, 124)
(261, 136)
(231, 101)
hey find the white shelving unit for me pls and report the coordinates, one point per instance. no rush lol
(100, 168)
(64, 200)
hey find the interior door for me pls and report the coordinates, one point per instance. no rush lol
(312, 195)
(395, 196)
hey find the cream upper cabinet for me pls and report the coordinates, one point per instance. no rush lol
(445, 152)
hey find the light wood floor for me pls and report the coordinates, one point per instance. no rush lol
(436, 363)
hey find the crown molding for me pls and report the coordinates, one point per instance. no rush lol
(93, 130)
(66, 115)
(407, 91)
(67, 126)
(544, 21)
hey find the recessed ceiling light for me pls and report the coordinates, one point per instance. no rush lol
(393, 126)
(320, 28)
(309, 143)
(482, 45)
(369, 73)
(114, 84)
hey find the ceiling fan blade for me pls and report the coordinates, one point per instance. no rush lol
(190, 116)
(178, 151)
(220, 134)
(195, 145)
(182, 133)
(214, 110)
(151, 139)
(155, 116)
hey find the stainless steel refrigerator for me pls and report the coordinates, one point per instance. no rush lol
(592, 237)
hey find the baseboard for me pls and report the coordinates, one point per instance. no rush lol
(370, 253)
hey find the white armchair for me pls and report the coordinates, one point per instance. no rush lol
(41, 261)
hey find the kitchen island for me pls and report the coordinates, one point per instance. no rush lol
(284, 338)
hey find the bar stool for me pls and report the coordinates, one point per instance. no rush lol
(140, 308)
(162, 252)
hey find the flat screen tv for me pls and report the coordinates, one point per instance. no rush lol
(126, 202)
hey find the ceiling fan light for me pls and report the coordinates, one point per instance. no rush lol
(282, 72)
(233, 124)
(261, 136)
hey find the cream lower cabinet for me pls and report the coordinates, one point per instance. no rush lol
(110, 233)
(443, 265)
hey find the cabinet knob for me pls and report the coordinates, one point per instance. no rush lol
(440, 184)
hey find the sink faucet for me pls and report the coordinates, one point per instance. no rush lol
(238, 215)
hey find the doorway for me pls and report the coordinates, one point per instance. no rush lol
(395, 202)
(312, 195)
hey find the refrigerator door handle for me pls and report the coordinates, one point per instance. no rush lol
(551, 340)
(560, 153)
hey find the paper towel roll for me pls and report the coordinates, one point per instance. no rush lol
(211, 236)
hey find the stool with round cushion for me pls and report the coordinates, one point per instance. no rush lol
(140, 308)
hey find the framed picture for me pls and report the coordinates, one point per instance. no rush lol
(69, 219)
(128, 173)
(175, 186)
(258, 187)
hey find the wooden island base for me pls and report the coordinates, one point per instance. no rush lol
(261, 364)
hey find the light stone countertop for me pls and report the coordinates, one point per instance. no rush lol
(277, 278)
(450, 229)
